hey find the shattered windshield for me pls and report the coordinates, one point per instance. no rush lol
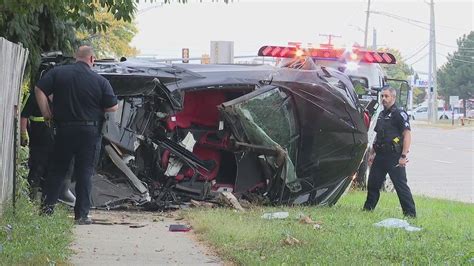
(273, 112)
(270, 121)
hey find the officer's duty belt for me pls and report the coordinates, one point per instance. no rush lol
(77, 123)
(383, 147)
(36, 118)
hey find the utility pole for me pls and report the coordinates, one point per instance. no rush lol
(374, 40)
(330, 37)
(366, 32)
(433, 93)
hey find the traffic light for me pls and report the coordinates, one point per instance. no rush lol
(185, 55)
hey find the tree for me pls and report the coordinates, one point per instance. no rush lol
(400, 70)
(115, 41)
(419, 95)
(456, 77)
(48, 25)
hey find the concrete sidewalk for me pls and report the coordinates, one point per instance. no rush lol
(115, 242)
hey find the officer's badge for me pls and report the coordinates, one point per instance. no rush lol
(404, 115)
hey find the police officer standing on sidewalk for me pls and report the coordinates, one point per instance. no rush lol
(39, 137)
(81, 97)
(389, 154)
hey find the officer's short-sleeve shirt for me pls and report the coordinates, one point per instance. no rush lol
(79, 93)
(402, 120)
(31, 107)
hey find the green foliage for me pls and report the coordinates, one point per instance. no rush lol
(347, 235)
(456, 77)
(22, 173)
(114, 42)
(400, 70)
(419, 95)
(50, 25)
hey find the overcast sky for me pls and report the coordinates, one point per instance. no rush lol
(165, 29)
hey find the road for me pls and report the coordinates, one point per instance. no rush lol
(442, 162)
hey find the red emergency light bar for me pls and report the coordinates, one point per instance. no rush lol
(328, 54)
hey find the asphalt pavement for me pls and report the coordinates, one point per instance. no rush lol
(442, 162)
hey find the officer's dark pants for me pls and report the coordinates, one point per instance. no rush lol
(41, 147)
(385, 163)
(79, 142)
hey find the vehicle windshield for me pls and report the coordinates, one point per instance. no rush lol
(270, 121)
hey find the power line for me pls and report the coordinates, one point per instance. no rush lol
(419, 59)
(412, 21)
(452, 58)
(452, 46)
(403, 19)
(417, 52)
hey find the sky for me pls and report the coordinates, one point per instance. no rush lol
(166, 28)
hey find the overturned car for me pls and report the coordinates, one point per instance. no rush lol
(289, 135)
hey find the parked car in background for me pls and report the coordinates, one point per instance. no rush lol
(421, 113)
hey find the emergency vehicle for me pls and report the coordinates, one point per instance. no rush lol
(364, 69)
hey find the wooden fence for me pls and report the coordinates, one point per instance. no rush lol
(12, 66)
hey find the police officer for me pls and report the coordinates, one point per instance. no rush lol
(81, 97)
(389, 154)
(39, 137)
(40, 142)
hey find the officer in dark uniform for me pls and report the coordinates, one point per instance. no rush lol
(389, 154)
(39, 137)
(81, 97)
(40, 143)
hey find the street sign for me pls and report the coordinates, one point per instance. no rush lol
(454, 101)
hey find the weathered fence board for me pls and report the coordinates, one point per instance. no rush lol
(12, 66)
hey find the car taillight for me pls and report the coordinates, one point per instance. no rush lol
(366, 119)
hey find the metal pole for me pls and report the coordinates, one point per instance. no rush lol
(430, 70)
(15, 157)
(366, 32)
(374, 40)
(435, 82)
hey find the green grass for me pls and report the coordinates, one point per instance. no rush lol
(34, 239)
(444, 124)
(27, 238)
(347, 236)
